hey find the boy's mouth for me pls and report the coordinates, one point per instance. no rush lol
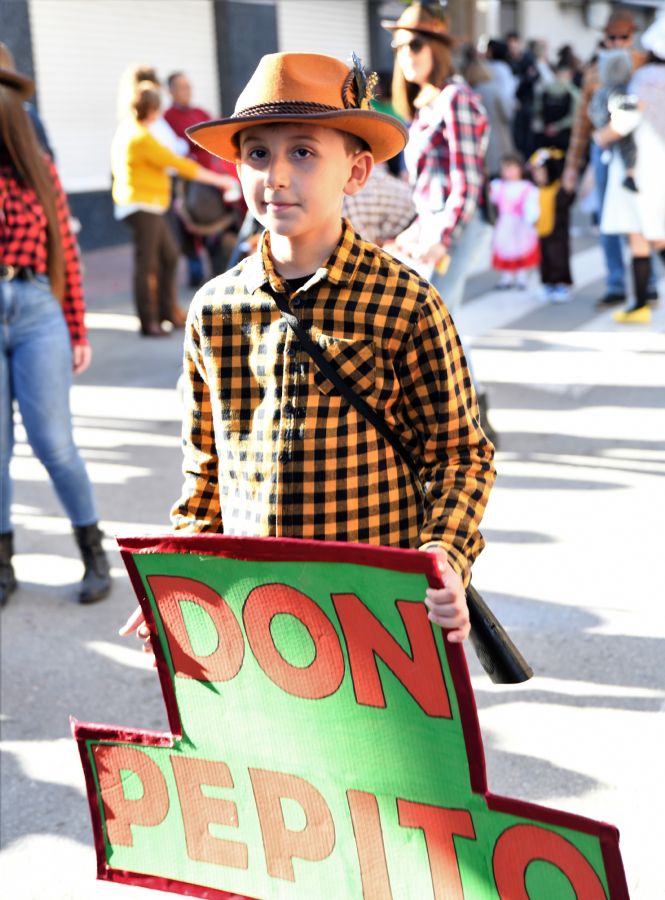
(278, 205)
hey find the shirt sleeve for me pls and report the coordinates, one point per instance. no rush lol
(198, 508)
(466, 129)
(532, 205)
(581, 131)
(456, 464)
(73, 303)
(162, 157)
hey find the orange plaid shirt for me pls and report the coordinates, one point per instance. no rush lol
(271, 448)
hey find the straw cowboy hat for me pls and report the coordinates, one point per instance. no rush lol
(621, 21)
(10, 77)
(422, 19)
(297, 87)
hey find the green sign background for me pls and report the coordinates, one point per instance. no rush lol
(333, 743)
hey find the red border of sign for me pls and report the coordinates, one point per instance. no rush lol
(295, 550)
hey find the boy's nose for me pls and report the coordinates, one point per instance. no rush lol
(278, 173)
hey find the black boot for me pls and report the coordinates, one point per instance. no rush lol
(490, 433)
(96, 582)
(7, 577)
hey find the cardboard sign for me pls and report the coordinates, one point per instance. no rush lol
(324, 741)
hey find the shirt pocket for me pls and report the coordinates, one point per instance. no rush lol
(354, 361)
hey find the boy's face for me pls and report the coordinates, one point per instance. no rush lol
(294, 178)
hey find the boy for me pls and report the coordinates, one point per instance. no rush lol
(270, 447)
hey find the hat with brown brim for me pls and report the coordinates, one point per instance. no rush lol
(421, 19)
(9, 77)
(305, 87)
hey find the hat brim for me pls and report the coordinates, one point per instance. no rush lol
(385, 135)
(391, 25)
(25, 86)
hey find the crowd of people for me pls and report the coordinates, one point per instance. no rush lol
(499, 136)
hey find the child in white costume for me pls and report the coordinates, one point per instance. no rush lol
(515, 248)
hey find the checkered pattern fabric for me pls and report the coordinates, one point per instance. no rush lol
(24, 241)
(270, 448)
(445, 158)
(382, 209)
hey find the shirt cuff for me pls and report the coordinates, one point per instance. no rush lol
(459, 562)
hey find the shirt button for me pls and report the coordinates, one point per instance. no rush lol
(288, 407)
(291, 351)
(296, 302)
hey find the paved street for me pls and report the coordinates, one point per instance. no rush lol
(573, 567)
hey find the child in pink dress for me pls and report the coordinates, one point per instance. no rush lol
(515, 247)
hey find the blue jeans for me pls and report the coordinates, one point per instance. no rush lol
(472, 247)
(36, 372)
(611, 244)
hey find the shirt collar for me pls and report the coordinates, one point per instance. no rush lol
(340, 268)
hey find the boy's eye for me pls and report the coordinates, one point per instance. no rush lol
(256, 153)
(302, 152)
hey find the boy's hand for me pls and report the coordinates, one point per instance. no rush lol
(136, 623)
(447, 605)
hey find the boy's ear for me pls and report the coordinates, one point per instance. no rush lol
(362, 164)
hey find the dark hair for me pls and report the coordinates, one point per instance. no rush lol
(473, 70)
(352, 143)
(512, 36)
(513, 157)
(146, 100)
(145, 73)
(497, 49)
(20, 147)
(173, 77)
(404, 92)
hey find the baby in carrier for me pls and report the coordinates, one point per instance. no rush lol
(615, 68)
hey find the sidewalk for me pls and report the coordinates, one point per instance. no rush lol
(573, 567)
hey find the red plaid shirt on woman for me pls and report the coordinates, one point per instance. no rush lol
(445, 159)
(24, 241)
(272, 449)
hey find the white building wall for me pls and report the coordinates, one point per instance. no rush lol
(82, 47)
(334, 27)
(558, 24)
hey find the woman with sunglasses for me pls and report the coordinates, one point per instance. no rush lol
(445, 158)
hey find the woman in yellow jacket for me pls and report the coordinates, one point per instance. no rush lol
(142, 169)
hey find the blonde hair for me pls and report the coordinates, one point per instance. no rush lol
(405, 92)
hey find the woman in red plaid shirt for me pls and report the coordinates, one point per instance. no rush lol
(43, 333)
(445, 158)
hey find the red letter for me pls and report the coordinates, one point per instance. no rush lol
(366, 638)
(522, 844)
(315, 841)
(369, 840)
(119, 812)
(225, 661)
(198, 811)
(325, 673)
(439, 826)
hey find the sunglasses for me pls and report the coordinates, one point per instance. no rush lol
(415, 45)
(617, 37)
